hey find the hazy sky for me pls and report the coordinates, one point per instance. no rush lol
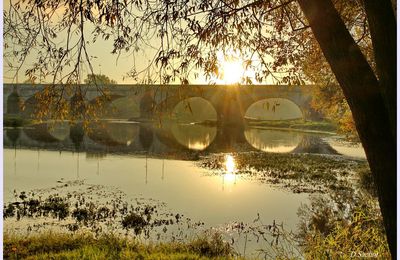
(112, 65)
(116, 67)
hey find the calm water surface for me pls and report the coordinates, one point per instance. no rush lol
(181, 185)
(136, 159)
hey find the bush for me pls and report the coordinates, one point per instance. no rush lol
(363, 235)
(211, 245)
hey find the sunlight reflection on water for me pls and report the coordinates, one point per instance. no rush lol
(229, 177)
(230, 164)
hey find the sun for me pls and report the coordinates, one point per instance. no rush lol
(234, 67)
(232, 71)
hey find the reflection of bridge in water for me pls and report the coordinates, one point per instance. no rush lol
(134, 138)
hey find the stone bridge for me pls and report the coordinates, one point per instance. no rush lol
(229, 101)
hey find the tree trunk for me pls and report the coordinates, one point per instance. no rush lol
(362, 91)
(382, 25)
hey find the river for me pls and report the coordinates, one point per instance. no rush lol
(158, 163)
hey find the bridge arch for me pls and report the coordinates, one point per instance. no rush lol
(190, 121)
(127, 106)
(274, 109)
(123, 107)
(187, 109)
(30, 106)
(194, 109)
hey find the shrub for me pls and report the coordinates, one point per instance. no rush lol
(363, 235)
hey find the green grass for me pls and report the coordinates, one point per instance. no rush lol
(85, 246)
(15, 121)
(299, 124)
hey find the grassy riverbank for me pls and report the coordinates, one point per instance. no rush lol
(86, 246)
(323, 237)
(299, 124)
(15, 121)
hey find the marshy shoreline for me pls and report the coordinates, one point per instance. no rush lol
(139, 229)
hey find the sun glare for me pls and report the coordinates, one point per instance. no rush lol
(229, 176)
(232, 71)
(234, 67)
(230, 164)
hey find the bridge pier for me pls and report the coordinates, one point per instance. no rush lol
(231, 122)
(229, 109)
(228, 137)
(13, 103)
(147, 105)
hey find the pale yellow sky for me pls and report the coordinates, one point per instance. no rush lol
(116, 67)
